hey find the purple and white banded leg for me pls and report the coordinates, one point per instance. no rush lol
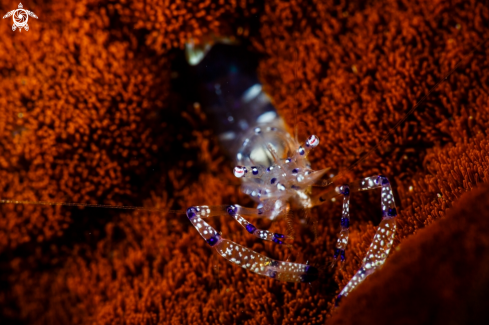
(245, 257)
(384, 237)
(345, 222)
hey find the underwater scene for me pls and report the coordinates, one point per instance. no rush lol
(244, 162)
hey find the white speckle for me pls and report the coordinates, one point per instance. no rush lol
(251, 93)
(266, 117)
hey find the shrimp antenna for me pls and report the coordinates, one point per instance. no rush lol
(416, 105)
(86, 205)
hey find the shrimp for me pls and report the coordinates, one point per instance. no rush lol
(276, 174)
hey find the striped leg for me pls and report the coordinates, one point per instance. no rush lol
(345, 222)
(384, 237)
(245, 257)
(236, 212)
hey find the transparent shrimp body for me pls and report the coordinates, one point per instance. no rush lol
(275, 171)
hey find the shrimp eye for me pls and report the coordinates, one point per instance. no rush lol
(301, 151)
(240, 171)
(313, 141)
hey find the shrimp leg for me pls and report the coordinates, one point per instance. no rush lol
(245, 257)
(384, 237)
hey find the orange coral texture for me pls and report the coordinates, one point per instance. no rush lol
(88, 115)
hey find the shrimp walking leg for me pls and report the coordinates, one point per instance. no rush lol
(245, 257)
(383, 239)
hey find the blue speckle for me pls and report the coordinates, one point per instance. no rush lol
(384, 179)
(213, 240)
(340, 253)
(277, 241)
(345, 222)
(250, 228)
(295, 187)
(254, 170)
(274, 263)
(273, 180)
(392, 212)
(278, 235)
(295, 170)
(191, 212)
(231, 210)
(338, 300)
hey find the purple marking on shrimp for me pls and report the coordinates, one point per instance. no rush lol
(213, 240)
(277, 241)
(345, 190)
(338, 300)
(250, 228)
(231, 210)
(191, 212)
(384, 179)
(339, 252)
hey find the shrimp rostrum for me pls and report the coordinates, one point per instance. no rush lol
(276, 173)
